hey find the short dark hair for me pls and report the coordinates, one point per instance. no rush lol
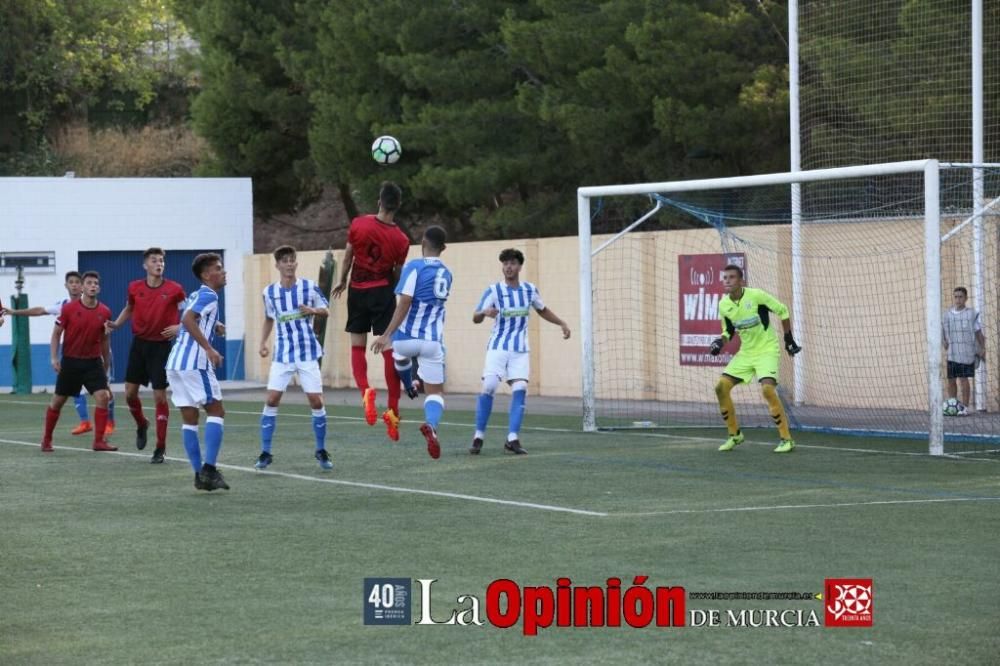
(511, 254)
(203, 261)
(965, 292)
(390, 196)
(436, 236)
(93, 274)
(283, 251)
(153, 250)
(75, 274)
(734, 267)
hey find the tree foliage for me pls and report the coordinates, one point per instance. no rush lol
(503, 107)
(252, 113)
(60, 61)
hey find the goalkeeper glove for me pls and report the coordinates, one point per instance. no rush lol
(790, 345)
(716, 347)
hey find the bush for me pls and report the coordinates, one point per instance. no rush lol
(171, 151)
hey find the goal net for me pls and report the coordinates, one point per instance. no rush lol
(887, 80)
(868, 271)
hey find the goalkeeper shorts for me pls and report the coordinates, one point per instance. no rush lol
(745, 366)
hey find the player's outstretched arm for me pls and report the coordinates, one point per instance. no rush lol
(548, 315)
(57, 331)
(345, 271)
(265, 335)
(403, 302)
(479, 315)
(190, 323)
(790, 345)
(36, 311)
(123, 317)
(106, 353)
(313, 312)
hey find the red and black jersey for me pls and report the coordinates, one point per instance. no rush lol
(378, 248)
(154, 308)
(83, 328)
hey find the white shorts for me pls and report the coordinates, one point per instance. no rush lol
(430, 356)
(507, 364)
(309, 377)
(193, 388)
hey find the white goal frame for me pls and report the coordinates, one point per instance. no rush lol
(932, 255)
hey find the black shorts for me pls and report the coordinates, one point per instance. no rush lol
(75, 373)
(147, 362)
(956, 370)
(370, 309)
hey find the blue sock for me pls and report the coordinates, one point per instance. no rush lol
(80, 402)
(268, 422)
(516, 411)
(111, 411)
(213, 438)
(319, 427)
(405, 373)
(484, 405)
(433, 408)
(189, 434)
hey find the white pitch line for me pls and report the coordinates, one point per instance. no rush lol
(804, 506)
(353, 484)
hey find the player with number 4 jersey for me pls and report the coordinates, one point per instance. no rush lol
(417, 329)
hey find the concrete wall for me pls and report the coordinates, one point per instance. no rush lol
(863, 329)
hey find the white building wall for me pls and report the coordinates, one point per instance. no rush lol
(71, 215)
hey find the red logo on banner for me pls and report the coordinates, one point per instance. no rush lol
(848, 602)
(699, 290)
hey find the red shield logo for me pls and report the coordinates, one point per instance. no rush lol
(848, 602)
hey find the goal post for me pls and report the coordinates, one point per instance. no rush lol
(834, 238)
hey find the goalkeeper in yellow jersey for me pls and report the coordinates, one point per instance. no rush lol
(746, 312)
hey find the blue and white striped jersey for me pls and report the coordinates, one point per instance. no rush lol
(186, 354)
(56, 308)
(510, 328)
(294, 339)
(428, 281)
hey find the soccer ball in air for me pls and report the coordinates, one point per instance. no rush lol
(386, 150)
(951, 407)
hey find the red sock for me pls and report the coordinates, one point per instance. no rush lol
(162, 414)
(392, 381)
(135, 407)
(359, 365)
(100, 423)
(51, 416)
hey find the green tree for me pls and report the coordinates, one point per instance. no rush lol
(253, 115)
(61, 60)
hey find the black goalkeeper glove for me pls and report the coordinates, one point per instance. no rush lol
(716, 347)
(790, 346)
